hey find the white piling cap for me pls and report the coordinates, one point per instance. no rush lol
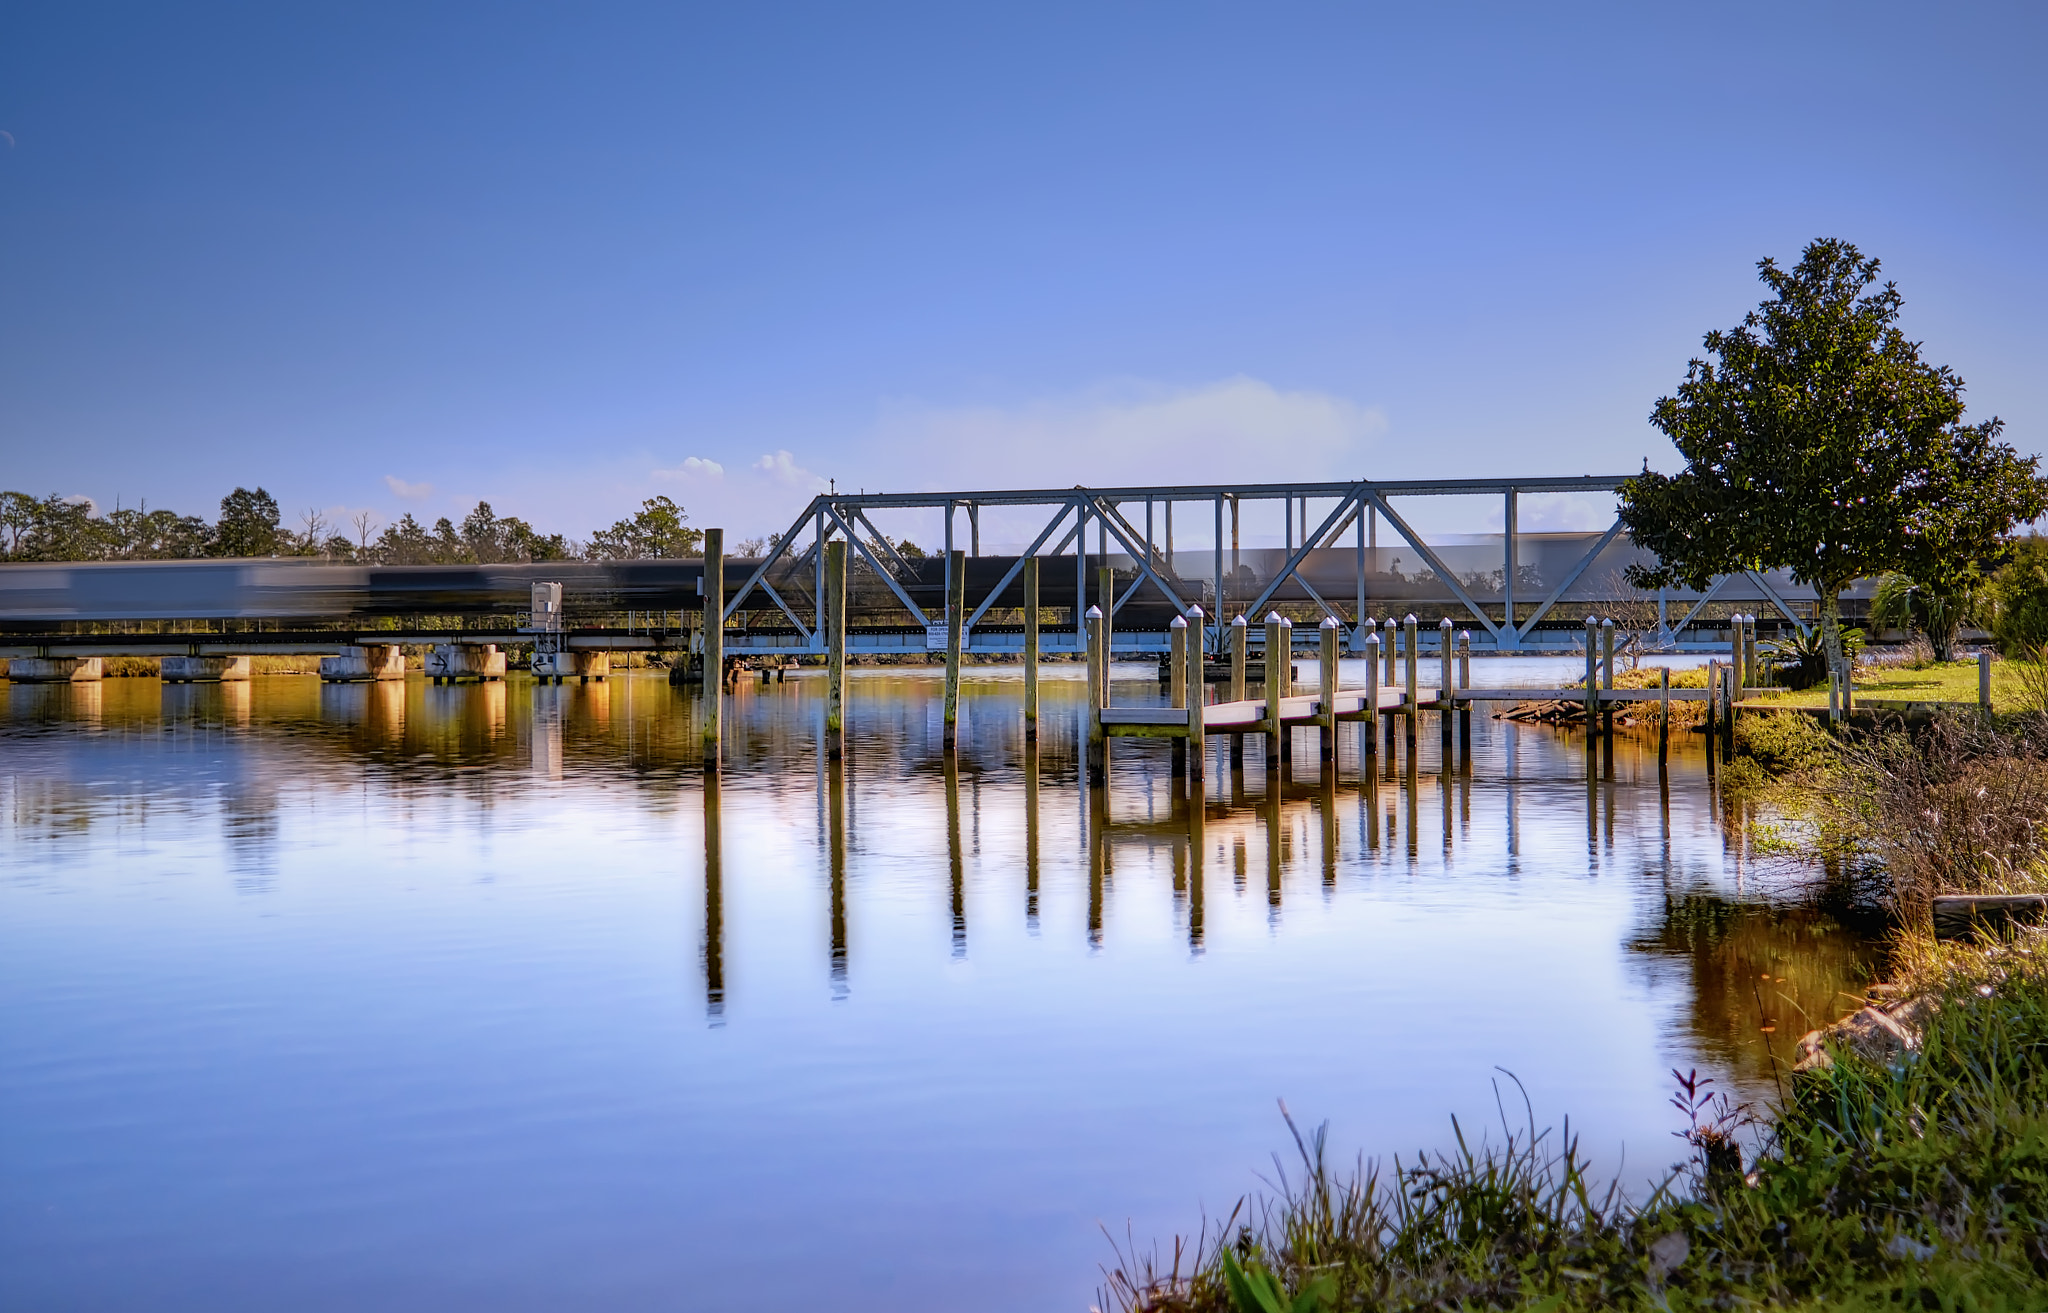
(1592, 622)
(1411, 618)
(1607, 624)
(1093, 613)
(1274, 618)
(1240, 621)
(1179, 622)
(1372, 640)
(1444, 623)
(1329, 622)
(1195, 613)
(1369, 625)
(1285, 623)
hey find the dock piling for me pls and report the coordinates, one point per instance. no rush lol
(1592, 680)
(1465, 703)
(1984, 684)
(956, 613)
(1409, 631)
(1370, 741)
(1240, 646)
(1030, 574)
(1606, 677)
(1446, 691)
(1327, 713)
(1279, 651)
(1663, 716)
(1098, 739)
(1177, 683)
(714, 648)
(835, 649)
(1198, 694)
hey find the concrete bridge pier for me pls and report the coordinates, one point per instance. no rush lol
(56, 670)
(356, 664)
(551, 667)
(206, 669)
(450, 663)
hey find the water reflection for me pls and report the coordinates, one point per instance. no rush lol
(486, 903)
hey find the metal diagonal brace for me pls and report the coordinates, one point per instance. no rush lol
(1436, 562)
(1779, 602)
(1528, 627)
(1300, 554)
(782, 545)
(876, 565)
(1018, 566)
(1116, 529)
(1701, 605)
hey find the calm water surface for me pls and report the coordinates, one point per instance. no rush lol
(340, 997)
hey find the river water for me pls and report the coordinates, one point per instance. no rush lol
(413, 997)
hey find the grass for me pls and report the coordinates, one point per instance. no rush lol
(1923, 1184)
(1954, 681)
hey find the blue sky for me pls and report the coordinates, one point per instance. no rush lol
(564, 257)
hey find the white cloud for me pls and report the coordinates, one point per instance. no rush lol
(408, 491)
(693, 467)
(781, 467)
(1237, 429)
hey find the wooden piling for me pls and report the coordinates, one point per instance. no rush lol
(1728, 720)
(1198, 695)
(1392, 678)
(1592, 680)
(1752, 669)
(1446, 696)
(1240, 647)
(714, 648)
(1177, 683)
(1606, 677)
(1663, 715)
(1410, 629)
(834, 605)
(1279, 646)
(1098, 739)
(1030, 649)
(1713, 697)
(1372, 695)
(1465, 684)
(1326, 719)
(1984, 683)
(956, 615)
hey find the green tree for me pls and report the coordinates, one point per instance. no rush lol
(2019, 593)
(248, 524)
(404, 543)
(658, 528)
(1817, 441)
(1902, 602)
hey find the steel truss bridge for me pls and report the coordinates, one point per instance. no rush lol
(1347, 551)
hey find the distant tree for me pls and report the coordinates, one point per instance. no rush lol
(338, 548)
(404, 543)
(657, 529)
(2019, 594)
(142, 534)
(17, 523)
(62, 529)
(248, 525)
(1817, 441)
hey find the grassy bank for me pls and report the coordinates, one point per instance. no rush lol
(1917, 1183)
(1950, 681)
(1909, 1176)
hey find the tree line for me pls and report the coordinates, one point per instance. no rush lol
(249, 523)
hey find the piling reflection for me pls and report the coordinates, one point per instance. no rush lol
(714, 907)
(835, 822)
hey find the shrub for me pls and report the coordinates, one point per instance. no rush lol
(1784, 742)
(2020, 592)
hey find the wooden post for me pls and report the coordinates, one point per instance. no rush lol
(1592, 679)
(1098, 741)
(1410, 630)
(1984, 683)
(1713, 700)
(1752, 669)
(1392, 678)
(1606, 677)
(1728, 720)
(1177, 683)
(714, 647)
(1372, 692)
(1030, 649)
(1198, 694)
(1105, 596)
(1740, 677)
(1664, 715)
(1327, 719)
(1465, 702)
(1446, 695)
(1240, 648)
(835, 649)
(1276, 634)
(956, 614)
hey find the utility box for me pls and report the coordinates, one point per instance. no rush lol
(547, 608)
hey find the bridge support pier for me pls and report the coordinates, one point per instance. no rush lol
(204, 669)
(354, 664)
(552, 667)
(449, 663)
(56, 670)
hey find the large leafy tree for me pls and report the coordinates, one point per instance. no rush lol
(1817, 441)
(249, 524)
(658, 528)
